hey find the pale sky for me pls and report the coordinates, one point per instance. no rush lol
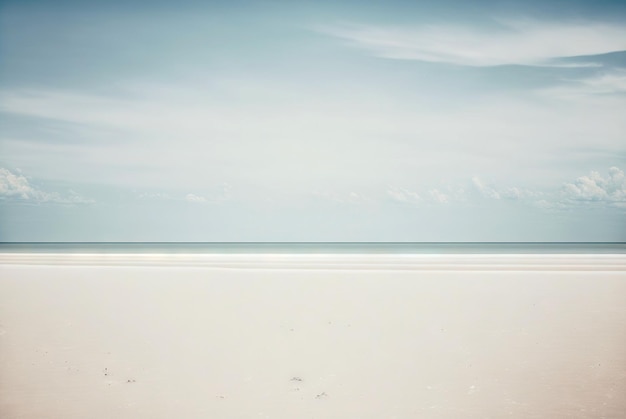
(312, 121)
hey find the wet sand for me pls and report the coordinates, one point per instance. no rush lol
(284, 337)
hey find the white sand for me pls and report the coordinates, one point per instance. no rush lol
(365, 337)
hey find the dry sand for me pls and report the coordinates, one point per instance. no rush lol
(312, 337)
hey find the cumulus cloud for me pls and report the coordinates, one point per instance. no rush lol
(597, 188)
(445, 194)
(484, 190)
(195, 198)
(515, 193)
(154, 195)
(15, 186)
(217, 195)
(499, 193)
(403, 195)
(589, 191)
(438, 196)
(224, 194)
(350, 197)
(522, 42)
(544, 204)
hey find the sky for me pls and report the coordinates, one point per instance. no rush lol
(312, 121)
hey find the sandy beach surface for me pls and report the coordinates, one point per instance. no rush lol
(360, 336)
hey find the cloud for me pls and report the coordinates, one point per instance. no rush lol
(546, 205)
(345, 197)
(592, 190)
(154, 196)
(614, 82)
(431, 196)
(589, 191)
(457, 194)
(521, 42)
(123, 128)
(438, 196)
(484, 190)
(219, 195)
(498, 193)
(605, 83)
(224, 194)
(516, 193)
(17, 187)
(596, 188)
(403, 195)
(315, 143)
(195, 198)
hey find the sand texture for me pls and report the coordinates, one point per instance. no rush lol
(337, 337)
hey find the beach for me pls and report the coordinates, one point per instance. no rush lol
(312, 336)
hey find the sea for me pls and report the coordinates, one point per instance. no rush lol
(316, 247)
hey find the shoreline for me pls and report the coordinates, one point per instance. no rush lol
(451, 262)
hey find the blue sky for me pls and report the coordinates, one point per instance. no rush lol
(312, 121)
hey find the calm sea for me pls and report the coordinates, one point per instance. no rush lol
(319, 248)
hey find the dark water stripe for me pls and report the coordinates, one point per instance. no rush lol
(318, 248)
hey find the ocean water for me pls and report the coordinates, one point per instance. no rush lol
(316, 248)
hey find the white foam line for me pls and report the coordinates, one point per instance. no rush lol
(613, 262)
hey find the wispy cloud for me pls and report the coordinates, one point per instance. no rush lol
(15, 186)
(315, 143)
(602, 84)
(521, 42)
